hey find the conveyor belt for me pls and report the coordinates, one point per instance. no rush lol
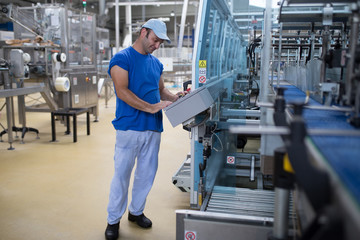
(243, 201)
(341, 152)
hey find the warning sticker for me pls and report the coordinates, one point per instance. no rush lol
(230, 160)
(189, 235)
(202, 71)
(202, 79)
(202, 63)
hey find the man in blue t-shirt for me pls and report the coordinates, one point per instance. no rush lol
(141, 95)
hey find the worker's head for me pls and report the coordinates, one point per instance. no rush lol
(153, 33)
(158, 27)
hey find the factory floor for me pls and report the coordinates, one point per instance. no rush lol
(59, 190)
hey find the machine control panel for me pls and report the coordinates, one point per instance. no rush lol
(189, 106)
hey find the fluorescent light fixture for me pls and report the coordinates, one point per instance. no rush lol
(262, 3)
(164, 19)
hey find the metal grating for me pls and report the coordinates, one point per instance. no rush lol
(243, 201)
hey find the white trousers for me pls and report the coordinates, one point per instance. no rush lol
(131, 145)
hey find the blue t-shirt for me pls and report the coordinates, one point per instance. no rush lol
(144, 73)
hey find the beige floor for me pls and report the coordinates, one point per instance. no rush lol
(60, 190)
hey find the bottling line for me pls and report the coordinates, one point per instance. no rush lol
(303, 182)
(273, 112)
(55, 52)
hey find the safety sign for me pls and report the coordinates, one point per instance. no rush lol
(202, 63)
(202, 71)
(230, 160)
(189, 235)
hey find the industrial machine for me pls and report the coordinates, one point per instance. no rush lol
(301, 181)
(225, 179)
(53, 47)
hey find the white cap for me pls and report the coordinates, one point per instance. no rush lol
(159, 28)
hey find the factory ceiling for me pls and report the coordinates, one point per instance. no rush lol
(141, 10)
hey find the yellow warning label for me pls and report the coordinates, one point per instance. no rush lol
(202, 63)
(287, 165)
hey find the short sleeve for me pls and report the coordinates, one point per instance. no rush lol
(121, 60)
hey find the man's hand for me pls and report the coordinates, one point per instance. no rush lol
(181, 94)
(158, 106)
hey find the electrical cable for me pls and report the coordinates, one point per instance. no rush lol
(200, 123)
(213, 133)
(257, 94)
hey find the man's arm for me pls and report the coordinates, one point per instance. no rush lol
(121, 83)
(165, 94)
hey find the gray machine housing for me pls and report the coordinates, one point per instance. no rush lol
(189, 106)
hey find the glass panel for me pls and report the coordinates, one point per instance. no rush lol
(213, 67)
(87, 39)
(42, 21)
(208, 39)
(81, 40)
(222, 45)
(74, 23)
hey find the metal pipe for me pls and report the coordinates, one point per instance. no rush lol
(281, 213)
(244, 121)
(241, 112)
(272, 65)
(325, 48)
(288, 57)
(252, 169)
(320, 107)
(128, 22)
(9, 112)
(175, 28)
(117, 26)
(21, 110)
(271, 130)
(143, 13)
(279, 57)
(312, 46)
(265, 58)
(101, 7)
(182, 26)
(152, 3)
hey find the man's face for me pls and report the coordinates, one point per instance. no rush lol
(151, 42)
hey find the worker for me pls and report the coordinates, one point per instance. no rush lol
(141, 95)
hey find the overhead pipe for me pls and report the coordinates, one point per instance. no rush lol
(116, 3)
(117, 26)
(182, 27)
(128, 38)
(102, 7)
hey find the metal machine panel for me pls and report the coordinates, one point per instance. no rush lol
(189, 106)
(83, 89)
(213, 226)
(208, 230)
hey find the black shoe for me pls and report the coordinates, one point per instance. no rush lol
(141, 220)
(112, 231)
